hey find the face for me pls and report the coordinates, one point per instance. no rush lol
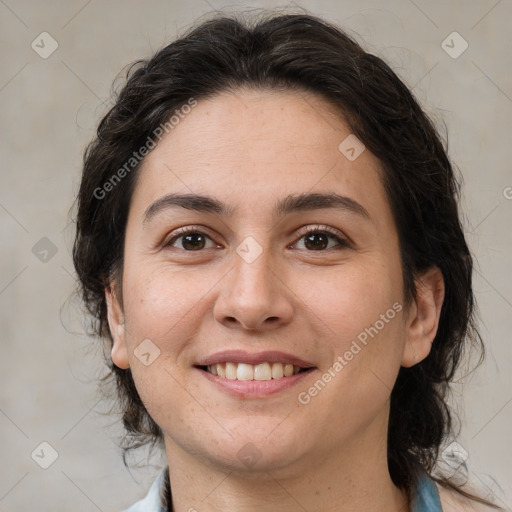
(256, 248)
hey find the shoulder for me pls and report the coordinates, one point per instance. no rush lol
(452, 501)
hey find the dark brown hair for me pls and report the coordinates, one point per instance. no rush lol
(303, 53)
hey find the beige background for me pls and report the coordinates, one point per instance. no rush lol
(49, 110)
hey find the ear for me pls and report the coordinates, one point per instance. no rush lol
(423, 317)
(117, 329)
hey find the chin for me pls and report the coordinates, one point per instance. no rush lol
(258, 447)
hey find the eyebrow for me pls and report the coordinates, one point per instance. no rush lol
(290, 204)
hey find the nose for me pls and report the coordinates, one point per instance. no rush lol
(254, 296)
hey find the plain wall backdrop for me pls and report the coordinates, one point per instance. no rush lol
(59, 59)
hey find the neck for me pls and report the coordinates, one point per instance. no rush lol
(356, 478)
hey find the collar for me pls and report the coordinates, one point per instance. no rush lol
(158, 499)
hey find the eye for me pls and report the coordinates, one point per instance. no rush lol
(321, 238)
(190, 239)
(315, 238)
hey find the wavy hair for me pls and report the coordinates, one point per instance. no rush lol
(304, 53)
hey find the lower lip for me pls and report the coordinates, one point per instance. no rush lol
(255, 388)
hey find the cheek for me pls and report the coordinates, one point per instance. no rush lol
(360, 310)
(349, 298)
(364, 315)
(162, 305)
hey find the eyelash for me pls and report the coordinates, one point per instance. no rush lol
(342, 243)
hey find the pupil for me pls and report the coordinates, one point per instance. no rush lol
(321, 241)
(193, 241)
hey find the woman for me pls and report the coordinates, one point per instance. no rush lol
(268, 237)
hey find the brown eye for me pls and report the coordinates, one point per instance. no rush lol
(316, 241)
(193, 241)
(190, 241)
(321, 239)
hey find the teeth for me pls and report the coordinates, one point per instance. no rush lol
(231, 371)
(262, 372)
(244, 371)
(277, 370)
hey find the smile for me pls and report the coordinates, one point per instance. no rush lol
(245, 371)
(252, 375)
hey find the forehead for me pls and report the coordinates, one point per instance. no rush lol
(254, 126)
(250, 148)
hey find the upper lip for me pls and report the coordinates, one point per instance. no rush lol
(240, 356)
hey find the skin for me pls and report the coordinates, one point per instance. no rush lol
(249, 149)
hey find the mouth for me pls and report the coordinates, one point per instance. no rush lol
(261, 372)
(254, 375)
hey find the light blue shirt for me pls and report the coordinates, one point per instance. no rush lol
(426, 498)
